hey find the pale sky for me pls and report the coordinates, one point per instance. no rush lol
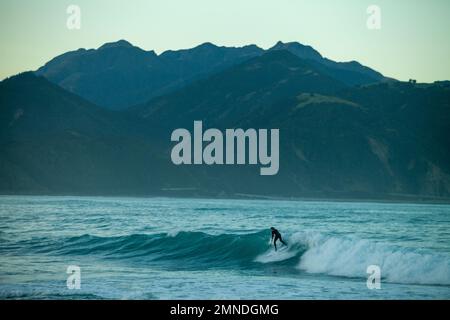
(413, 41)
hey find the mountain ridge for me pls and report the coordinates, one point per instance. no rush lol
(118, 75)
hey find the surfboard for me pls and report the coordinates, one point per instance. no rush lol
(282, 248)
(271, 255)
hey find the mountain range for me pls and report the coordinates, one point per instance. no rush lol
(118, 75)
(98, 122)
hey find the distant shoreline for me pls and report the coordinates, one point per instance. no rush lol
(243, 196)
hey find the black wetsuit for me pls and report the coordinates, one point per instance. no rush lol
(277, 236)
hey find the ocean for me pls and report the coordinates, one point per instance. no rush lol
(173, 248)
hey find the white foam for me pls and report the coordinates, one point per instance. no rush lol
(350, 257)
(173, 233)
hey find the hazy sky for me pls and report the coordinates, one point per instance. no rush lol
(413, 41)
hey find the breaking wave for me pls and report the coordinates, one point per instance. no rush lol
(307, 252)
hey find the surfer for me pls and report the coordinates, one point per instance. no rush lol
(276, 236)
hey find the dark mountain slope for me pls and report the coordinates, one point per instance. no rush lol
(54, 142)
(414, 122)
(241, 92)
(384, 141)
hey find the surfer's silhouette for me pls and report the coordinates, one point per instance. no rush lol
(276, 236)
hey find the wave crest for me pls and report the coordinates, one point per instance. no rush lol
(350, 257)
(308, 252)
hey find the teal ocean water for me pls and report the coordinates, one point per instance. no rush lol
(161, 248)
